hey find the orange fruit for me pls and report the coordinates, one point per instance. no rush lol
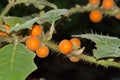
(2, 33)
(33, 43)
(6, 26)
(42, 52)
(74, 58)
(108, 4)
(36, 30)
(65, 46)
(117, 16)
(95, 16)
(76, 42)
(94, 2)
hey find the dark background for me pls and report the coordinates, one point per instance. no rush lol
(59, 68)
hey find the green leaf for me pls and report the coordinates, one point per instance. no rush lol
(16, 62)
(12, 21)
(53, 15)
(106, 46)
(26, 18)
(28, 24)
(40, 4)
(1, 22)
(37, 5)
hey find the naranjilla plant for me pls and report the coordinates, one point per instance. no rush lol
(17, 49)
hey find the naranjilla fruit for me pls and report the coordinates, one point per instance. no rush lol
(6, 26)
(94, 2)
(74, 58)
(65, 46)
(42, 52)
(95, 16)
(108, 4)
(33, 43)
(2, 33)
(36, 30)
(76, 42)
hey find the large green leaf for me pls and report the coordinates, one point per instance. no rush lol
(40, 4)
(106, 46)
(1, 22)
(28, 24)
(53, 15)
(16, 62)
(12, 21)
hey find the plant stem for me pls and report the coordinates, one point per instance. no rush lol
(52, 29)
(88, 8)
(51, 44)
(84, 57)
(6, 10)
(104, 63)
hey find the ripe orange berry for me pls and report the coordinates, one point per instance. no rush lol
(6, 26)
(94, 2)
(2, 33)
(117, 16)
(65, 46)
(42, 52)
(74, 58)
(33, 43)
(76, 42)
(95, 16)
(108, 4)
(36, 30)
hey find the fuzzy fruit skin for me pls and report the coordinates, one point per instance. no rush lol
(36, 30)
(108, 4)
(76, 42)
(74, 58)
(65, 46)
(95, 16)
(94, 2)
(33, 43)
(42, 52)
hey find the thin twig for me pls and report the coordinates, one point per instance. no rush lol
(6, 10)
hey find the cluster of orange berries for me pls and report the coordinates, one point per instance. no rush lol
(96, 15)
(66, 46)
(33, 43)
(2, 33)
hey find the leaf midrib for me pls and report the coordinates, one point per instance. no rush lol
(12, 61)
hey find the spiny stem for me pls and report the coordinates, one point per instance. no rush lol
(86, 58)
(51, 44)
(104, 63)
(6, 39)
(88, 7)
(24, 39)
